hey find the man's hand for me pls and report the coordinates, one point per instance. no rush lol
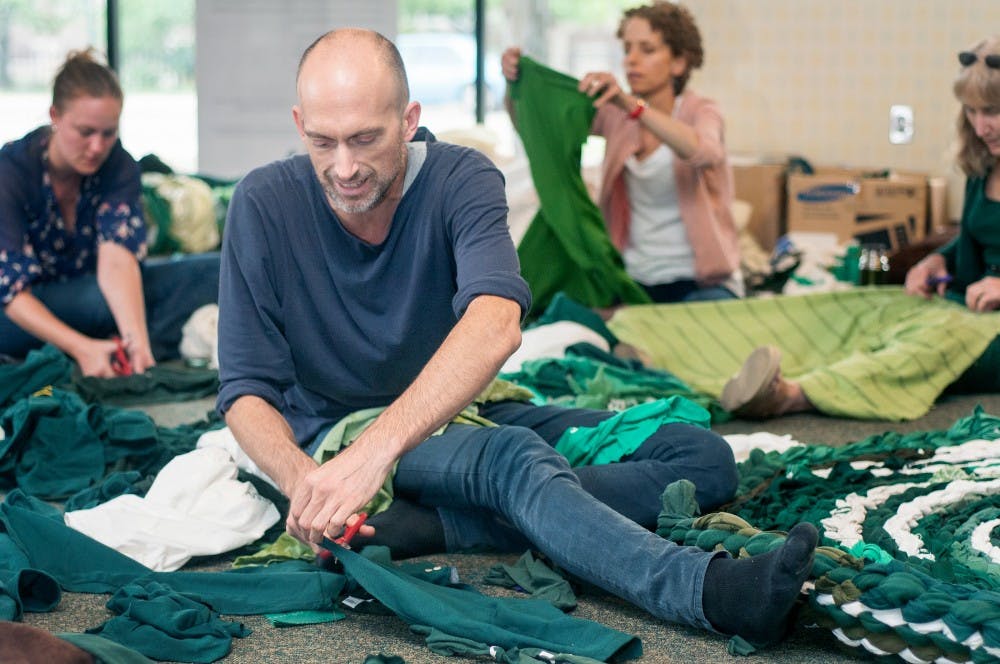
(983, 295)
(328, 498)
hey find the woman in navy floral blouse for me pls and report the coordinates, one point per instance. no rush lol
(73, 238)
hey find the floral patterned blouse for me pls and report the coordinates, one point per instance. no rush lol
(35, 245)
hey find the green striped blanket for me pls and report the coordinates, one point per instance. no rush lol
(868, 353)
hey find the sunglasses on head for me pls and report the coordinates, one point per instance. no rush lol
(968, 57)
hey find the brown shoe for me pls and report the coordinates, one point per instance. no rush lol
(755, 390)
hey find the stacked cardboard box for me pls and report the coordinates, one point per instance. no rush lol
(888, 208)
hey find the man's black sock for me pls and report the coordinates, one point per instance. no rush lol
(408, 529)
(753, 597)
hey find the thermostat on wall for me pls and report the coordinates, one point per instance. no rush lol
(900, 124)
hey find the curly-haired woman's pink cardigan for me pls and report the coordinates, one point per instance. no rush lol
(704, 185)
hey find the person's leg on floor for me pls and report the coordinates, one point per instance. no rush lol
(633, 486)
(513, 472)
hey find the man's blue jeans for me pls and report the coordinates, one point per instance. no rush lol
(172, 288)
(494, 485)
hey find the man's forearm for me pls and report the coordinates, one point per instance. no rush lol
(463, 366)
(267, 439)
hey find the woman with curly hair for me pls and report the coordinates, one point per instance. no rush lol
(666, 185)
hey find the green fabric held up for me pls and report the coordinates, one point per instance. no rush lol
(566, 247)
(623, 433)
(867, 353)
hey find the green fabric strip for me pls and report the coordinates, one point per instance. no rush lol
(623, 433)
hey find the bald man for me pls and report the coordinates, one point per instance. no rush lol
(376, 276)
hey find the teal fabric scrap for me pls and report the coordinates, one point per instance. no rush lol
(450, 645)
(121, 483)
(23, 588)
(160, 623)
(382, 658)
(622, 434)
(536, 578)
(296, 618)
(37, 529)
(161, 383)
(57, 445)
(564, 308)
(104, 650)
(505, 622)
(738, 646)
(42, 367)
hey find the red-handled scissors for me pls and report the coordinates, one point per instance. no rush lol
(325, 557)
(119, 360)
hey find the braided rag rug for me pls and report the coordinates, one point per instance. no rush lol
(909, 562)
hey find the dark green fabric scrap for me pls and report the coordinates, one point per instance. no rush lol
(450, 645)
(121, 483)
(50, 449)
(505, 622)
(534, 577)
(566, 247)
(105, 651)
(44, 366)
(57, 445)
(37, 529)
(564, 308)
(296, 618)
(382, 658)
(163, 624)
(161, 383)
(23, 588)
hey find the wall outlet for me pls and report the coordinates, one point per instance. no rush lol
(900, 124)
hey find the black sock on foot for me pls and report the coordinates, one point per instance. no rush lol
(408, 529)
(753, 597)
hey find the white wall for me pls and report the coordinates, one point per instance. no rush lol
(247, 52)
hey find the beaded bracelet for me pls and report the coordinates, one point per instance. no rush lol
(640, 107)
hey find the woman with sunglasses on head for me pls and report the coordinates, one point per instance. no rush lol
(72, 238)
(667, 185)
(967, 269)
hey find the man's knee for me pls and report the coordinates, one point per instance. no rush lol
(705, 456)
(717, 482)
(516, 454)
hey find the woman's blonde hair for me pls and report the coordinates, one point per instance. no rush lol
(977, 84)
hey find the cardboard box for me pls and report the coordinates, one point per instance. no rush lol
(762, 185)
(856, 204)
